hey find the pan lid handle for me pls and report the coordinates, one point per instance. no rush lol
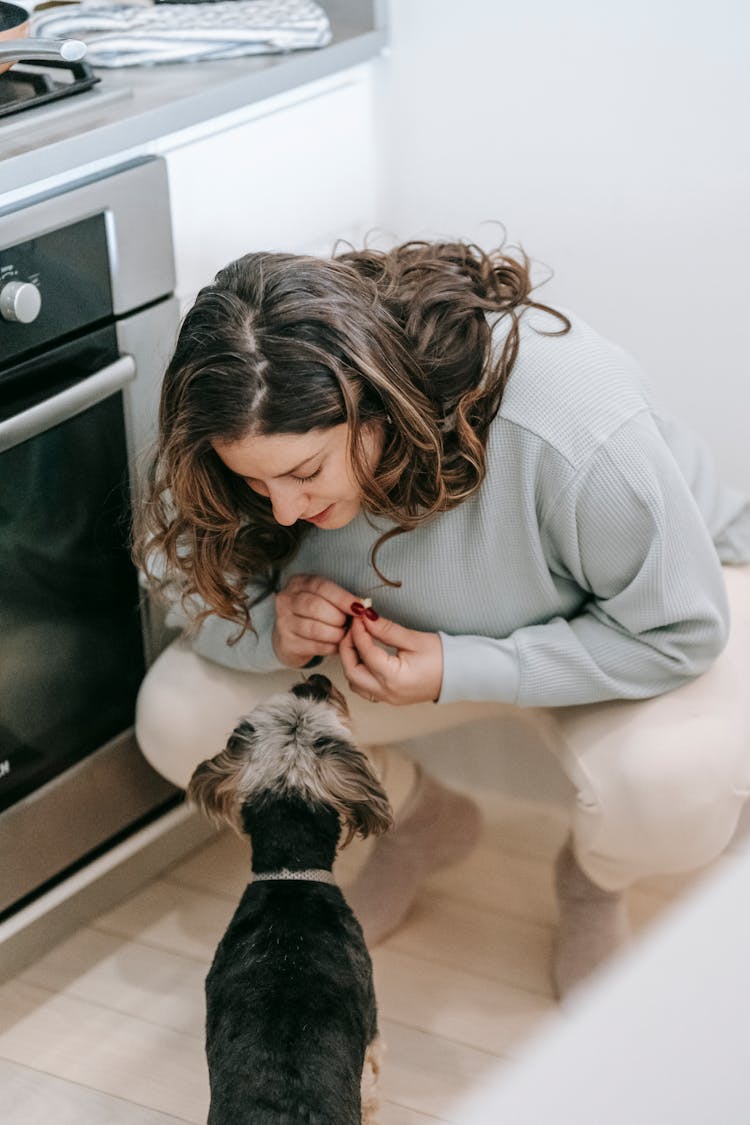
(33, 50)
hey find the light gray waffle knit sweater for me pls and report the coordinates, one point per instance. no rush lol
(587, 567)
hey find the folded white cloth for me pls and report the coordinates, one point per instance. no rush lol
(142, 35)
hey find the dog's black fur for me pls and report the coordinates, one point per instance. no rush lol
(291, 1007)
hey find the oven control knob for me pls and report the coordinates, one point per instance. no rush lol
(20, 301)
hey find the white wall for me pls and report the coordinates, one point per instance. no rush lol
(613, 142)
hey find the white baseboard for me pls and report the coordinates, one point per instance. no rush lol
(99, 886)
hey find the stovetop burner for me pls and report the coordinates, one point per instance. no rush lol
(24, 87)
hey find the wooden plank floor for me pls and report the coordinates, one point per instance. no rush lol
(108, 1027)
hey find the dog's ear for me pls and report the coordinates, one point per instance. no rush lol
(216, 785)
(319, 689)
(351, 786)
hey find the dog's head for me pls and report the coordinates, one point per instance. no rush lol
(295, 743)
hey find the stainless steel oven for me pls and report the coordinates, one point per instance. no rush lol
(87, 318)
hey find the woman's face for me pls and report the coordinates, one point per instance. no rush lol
(305, 476)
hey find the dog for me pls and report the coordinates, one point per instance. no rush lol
(291, 1019)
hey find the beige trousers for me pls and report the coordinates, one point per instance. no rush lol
(659, 783)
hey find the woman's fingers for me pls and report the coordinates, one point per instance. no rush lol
(305, 616)
(408, 670)
(391, 634)
(303, 637)
(371, 671)
(318, 597)
(311, 629)
(294, 650)
(359, 676)
(372, 656)
(312, 607)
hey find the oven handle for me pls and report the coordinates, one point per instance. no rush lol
(73, 400)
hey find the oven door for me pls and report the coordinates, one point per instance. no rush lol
(72, 652)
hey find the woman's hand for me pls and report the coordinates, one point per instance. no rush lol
(413, 673)
(311, 618)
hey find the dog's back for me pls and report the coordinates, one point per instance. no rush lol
(290, 1009)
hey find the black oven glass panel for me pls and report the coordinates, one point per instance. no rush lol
(71, 654)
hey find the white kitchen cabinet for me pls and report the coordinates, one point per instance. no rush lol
(297, 173)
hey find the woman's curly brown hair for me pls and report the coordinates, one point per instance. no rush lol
(283, 344)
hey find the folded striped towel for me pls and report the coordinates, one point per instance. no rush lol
(145, 34)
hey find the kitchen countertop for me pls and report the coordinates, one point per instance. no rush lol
(152, 102)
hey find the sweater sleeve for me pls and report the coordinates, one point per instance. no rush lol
(627, 531)
(253, 652)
